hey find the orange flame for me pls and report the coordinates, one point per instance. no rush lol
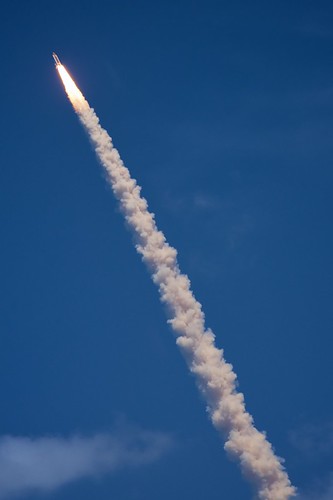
(74, 94)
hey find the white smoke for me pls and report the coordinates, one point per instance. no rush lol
(214, 376)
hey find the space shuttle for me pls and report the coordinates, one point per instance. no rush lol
(56, 59)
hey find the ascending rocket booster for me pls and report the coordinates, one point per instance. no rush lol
(56, 59)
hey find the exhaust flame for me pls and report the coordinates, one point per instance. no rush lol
(215, 378)
(74, 93)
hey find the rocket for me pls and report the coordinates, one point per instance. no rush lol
(56, 59)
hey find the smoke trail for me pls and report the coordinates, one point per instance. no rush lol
(215, 377)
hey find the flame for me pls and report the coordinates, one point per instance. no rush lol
(74, 93)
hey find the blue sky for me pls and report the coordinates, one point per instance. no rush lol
(223, 113)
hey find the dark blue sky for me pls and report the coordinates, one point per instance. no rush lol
(223, 113)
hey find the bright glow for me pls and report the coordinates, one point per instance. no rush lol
(73, 92)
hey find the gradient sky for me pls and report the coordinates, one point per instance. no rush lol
(223, 113)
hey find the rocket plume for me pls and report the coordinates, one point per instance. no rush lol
(215, 377)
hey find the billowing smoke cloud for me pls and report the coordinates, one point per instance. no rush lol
(215, 377)
(46, 463)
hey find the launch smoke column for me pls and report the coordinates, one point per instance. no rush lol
(215, 377)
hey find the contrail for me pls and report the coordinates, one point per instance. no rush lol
(215, 377)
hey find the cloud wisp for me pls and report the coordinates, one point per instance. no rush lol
(313, 444)
(215, 377)
(321, 490)
(44, 464)
(313, 441)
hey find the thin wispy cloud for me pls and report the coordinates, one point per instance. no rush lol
(192, 202)
(44, 464)
(322, 490)
(313, 444)
(313, 441)
(314, 29)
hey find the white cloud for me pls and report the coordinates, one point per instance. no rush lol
(47, 463)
